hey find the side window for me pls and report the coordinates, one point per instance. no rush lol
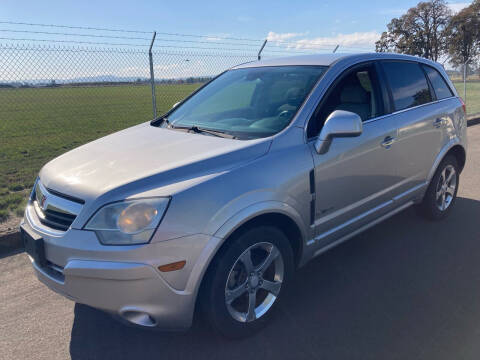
(408, 84)
(442, 90)
(356, 91)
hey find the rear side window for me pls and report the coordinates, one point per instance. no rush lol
(408, 84)
(442, 90)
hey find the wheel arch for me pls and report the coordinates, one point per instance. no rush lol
(454, 148)
(460, 154)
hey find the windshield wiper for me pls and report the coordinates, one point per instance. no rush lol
(200, 130)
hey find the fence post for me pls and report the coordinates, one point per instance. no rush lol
(259, 56)
(465, 80)
(152, 77)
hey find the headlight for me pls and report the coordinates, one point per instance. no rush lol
(128, 222)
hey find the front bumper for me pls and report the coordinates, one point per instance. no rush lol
(124, 280)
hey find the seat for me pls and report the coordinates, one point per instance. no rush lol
(355, 98)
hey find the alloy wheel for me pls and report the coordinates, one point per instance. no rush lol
(254, 282)
(446, 187)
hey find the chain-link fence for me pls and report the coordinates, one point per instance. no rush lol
(468, 87)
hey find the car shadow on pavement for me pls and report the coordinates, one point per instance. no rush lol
(407, 288)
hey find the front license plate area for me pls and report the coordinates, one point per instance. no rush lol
(34, 247)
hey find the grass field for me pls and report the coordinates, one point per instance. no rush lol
(39, 124)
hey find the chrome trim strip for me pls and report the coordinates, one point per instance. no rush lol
(312, 139)
(56, 203)
(409, 191)
(32, 219)
(349, 222)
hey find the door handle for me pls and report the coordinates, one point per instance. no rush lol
(438, 122)
(388, 142)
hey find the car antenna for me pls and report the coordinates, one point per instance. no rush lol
(336, 47)
(261, 49)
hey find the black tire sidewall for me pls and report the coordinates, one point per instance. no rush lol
(213, 303)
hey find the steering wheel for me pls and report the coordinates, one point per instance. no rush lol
(284, 113)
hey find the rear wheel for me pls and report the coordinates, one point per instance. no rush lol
(442, 191)
(246, 280)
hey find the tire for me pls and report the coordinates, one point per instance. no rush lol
(230, 312)
(433, 206)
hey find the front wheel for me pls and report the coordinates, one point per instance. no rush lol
(442, 191)
(246, 280)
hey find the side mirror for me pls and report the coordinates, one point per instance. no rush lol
(175, 105)
(339, 123)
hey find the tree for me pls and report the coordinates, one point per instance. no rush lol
(463, 36)
(421, 31)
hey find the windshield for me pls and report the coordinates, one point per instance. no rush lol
(247, 103)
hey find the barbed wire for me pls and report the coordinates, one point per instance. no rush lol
(311, 45)
(158, 46)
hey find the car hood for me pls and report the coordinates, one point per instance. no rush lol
(142, 158)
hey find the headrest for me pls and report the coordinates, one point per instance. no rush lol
(354, 94)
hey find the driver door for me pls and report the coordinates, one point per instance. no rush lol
(356, 179)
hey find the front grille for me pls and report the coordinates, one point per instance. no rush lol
(54, 219)
(55, 210)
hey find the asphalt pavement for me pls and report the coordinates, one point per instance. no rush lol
(405, 289)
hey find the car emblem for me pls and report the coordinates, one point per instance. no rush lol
(43, 201)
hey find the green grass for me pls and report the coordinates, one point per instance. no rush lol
(473, 95)
(37, 125)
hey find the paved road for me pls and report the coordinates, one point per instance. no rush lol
(406, 289)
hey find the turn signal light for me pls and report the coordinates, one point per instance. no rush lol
(173, 266)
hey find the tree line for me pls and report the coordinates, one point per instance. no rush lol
(433, 31)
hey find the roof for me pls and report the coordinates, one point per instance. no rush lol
(329, 59)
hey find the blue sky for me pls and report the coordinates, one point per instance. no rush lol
(326, 22)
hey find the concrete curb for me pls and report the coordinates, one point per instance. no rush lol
(12, 242)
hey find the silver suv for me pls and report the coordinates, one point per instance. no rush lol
(214, 205)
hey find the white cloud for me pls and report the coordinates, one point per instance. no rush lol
(364, 40)
(273, 36)
(456, 7)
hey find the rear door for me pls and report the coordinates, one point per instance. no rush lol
(420, 124)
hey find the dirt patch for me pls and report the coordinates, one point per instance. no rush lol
(10, 226)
